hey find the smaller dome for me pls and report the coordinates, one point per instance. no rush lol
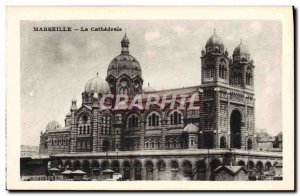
(214, 40)
(241, 49)
(241, 53)
(96, 85)
(191, 128)
(148, 89)
(214, 44)
(53, 125)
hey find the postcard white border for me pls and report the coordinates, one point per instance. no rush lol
(13, 124)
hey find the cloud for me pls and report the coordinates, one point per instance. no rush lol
(151, 36)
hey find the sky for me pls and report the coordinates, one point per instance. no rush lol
(56, 65)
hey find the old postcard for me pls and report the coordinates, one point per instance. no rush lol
(150, 98)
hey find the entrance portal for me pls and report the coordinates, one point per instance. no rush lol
(235, 128)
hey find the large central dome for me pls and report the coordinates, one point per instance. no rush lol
(124, 63)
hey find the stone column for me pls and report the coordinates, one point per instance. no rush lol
(244, 76)
(155, 173)
(143, 173)
(142, 137)
(228, 119)
(164, 121)
(246, 121)
(73, 127)
(216, 73)
(200, 91)
(243, 135)
(95, 110)
(217, 116)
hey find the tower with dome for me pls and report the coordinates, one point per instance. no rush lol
(148, 144)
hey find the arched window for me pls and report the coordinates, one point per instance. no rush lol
(236, 76)
(248, 76)
(175, 118)
(222, 142)
(153, 119)
(249, 144)
(153, 144)
(133, 121)
(222, 70)
(158, 144)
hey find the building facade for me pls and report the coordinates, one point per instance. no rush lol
(142, 143)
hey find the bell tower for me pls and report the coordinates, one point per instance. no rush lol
(242, 68)
(214, 62)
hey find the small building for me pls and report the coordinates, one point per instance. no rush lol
(231, 173)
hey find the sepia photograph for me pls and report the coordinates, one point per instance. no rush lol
(145, 100)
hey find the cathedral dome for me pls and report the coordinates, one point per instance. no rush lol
(124, 63)
(53, 125)
(214, 44)
(241, 53)
(241, 49)
(191, 128)
(96, 85)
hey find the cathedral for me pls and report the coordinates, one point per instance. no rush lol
(169, 142)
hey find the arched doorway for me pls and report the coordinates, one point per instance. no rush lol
(137, 170)
(115, 166)
(126, 170)
(68, 165)
(235, 128)
(104, 165)
(149, 170)
(241, 163)
(223, 142)
(214, 164)
(201, 170)
(105, 146)
(161, 167)
(259, 167)
(174, 170)
(268, 166)
(250, 165)
(77, 165)
(86, 167)
(95, 168)
(187, 170)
